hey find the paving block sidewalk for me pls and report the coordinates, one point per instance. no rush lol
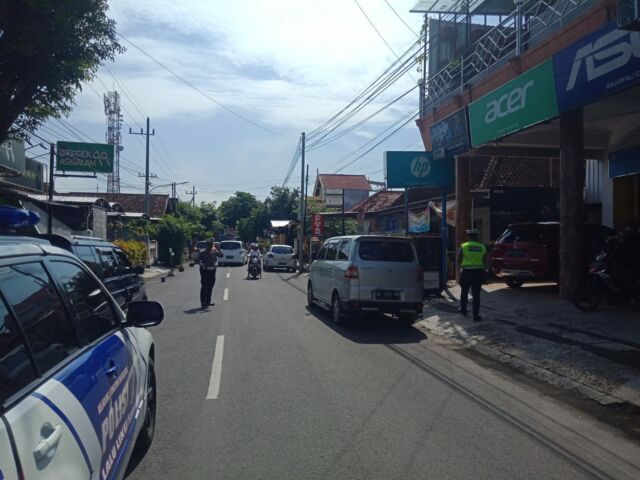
(596, 354)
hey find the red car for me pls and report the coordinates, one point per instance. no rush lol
(530, 251)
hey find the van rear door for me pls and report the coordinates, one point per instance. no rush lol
(387, 270)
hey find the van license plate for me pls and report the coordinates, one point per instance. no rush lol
(386, 295)
(229, 256)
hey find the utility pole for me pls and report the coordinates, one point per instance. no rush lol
(146, 168)
(343, 231)
(52, 156)
(193, 195)
(301, 209)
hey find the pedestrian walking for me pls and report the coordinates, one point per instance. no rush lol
(472, 259)
(208, 261)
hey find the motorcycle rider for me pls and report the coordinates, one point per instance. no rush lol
(254, 252)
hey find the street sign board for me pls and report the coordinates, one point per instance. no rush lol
(600, 64)
(450, 136)
(417, 169)
(12, 155)
(317, 225)
(524, 101)
(85, 157)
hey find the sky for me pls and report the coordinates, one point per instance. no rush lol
(286, 66)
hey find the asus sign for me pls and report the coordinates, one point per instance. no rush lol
(601, 64)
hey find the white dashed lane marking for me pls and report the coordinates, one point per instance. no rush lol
(226, 294)
(216, 369)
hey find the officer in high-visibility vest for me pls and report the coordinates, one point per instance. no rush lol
(471, 258)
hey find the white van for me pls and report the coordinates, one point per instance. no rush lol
(233, 252)
(358, 274)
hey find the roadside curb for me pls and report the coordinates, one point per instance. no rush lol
(154, 272)
(626, 394)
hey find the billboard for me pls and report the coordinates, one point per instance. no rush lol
(450, 136)
(85, 157)
(522, 204)
(317, 225)
(417, 169)
(600, 64)
(523, 102)
(12, 155)
(420, 221)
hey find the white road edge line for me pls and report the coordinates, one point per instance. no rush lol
(216, 370)
(226, 294)
(228, 274)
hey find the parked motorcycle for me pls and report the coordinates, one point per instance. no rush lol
(255, 269)
(601, 283)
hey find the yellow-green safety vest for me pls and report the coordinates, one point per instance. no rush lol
(473, 255)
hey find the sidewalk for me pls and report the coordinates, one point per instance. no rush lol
(153, 272)
(530, 329)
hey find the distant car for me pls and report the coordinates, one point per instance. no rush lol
(77, 378)
(530, 251)
(233, 253)
(360, 274)
(108, 262)
(279, 256)
(199, 247)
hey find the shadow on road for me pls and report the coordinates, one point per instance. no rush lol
(371, 328)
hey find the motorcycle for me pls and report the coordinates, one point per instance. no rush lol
(600, 283)
(255, 269)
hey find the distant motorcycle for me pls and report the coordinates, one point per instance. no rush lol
(255, 269)
(598, 284)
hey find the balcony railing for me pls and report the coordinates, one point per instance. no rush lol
(524, 28)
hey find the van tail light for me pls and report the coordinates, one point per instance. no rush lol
(419, 275)
(352, 273)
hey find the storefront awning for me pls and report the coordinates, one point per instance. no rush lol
(477, 7)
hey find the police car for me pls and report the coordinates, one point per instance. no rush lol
(77, 381)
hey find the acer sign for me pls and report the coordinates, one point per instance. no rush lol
(520, 103)
(600, 64)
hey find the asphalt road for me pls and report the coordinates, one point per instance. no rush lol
(258, 387)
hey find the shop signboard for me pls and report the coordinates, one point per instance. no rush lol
(85, 157)
(417, 169)
(450, 136)
(317, 225)
(420, 221)
(600, 64)
(624, 162)
(521, 103)
(12, 155)
(32, 176)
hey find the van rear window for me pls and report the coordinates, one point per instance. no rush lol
(282, 250)
(381, 251)
(230, 245)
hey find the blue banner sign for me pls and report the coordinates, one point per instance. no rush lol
(624, 162)
(417, 169)
(450, 136)
(600, 64)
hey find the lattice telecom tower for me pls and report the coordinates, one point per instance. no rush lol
(113, 137)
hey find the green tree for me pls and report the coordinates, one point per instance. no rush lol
(237, 207)
(173, 232)
(283, 203)
(48, 48)
(332, 224)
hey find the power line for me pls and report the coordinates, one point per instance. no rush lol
(204, 94)
(374, 27)
(401, 19)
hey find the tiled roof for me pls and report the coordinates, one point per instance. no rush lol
(519, 172)
(132, 202)
(347, 182)
(378, 201)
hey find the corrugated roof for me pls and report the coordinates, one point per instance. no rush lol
(347, 182)
(134, 202)
(378, 201)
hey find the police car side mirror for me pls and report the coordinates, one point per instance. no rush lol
(144, 313)
(138, 269)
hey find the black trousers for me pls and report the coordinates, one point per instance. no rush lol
(471, 277)
(207, 281)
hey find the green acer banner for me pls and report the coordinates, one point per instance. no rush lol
(85, 157)
(518, 104)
